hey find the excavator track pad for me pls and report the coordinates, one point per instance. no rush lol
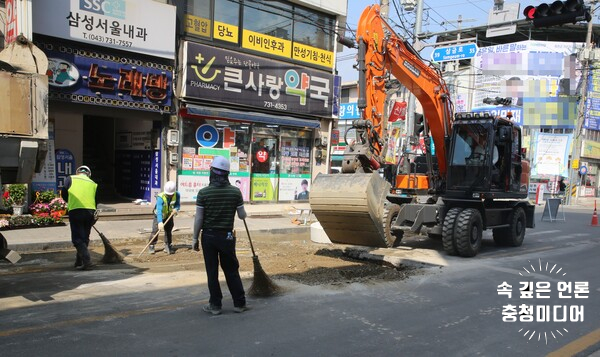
(350, 208)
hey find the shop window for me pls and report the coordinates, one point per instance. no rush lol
(313, 29)
(198, 18)
(228, 11)
(227, 20)
(345, 95)
(273, 19)
(204, 139)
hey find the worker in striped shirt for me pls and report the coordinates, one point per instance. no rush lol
(216, 206)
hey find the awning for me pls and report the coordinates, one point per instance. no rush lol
(236, 115)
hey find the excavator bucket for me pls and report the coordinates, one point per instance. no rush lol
(350, 207)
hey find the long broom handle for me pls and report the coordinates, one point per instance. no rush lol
(249, 239)
(155, 235)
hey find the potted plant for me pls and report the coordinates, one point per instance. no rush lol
(16, 197)
(59, 206)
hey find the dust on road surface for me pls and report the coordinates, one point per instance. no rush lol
(301, 261)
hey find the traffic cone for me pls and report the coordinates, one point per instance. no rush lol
(595, 216)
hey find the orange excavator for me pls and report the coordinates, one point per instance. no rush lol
(476, 178)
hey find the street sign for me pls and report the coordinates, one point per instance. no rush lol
(583, 170)
(454, 53)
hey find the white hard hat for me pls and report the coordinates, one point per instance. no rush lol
(221, 163)
(84, 169)
(170, 187)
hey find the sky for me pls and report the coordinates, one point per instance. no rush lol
(438, 16)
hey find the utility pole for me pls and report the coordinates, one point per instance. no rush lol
(576, 152)
(412, 105)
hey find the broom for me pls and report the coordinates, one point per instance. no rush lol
(155, 235)
(262, 285)
(111, 255)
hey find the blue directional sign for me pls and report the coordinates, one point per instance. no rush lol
(454, 53)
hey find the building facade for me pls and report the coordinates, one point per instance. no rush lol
(110, 73)
(256, 84)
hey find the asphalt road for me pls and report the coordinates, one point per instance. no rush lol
(449, 310)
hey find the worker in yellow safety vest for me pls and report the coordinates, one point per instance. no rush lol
(167, 203)
(80, 193)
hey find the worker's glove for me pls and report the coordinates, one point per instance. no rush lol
(175, 211)
(161, 227)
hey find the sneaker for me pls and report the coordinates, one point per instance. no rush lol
(86, 266)
(151, 249)
(212, 309)
(169, 249)
(240, 309)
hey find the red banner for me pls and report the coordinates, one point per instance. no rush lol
(398, 112)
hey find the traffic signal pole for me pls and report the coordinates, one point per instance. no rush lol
(576, 152)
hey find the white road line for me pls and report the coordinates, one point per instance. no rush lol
(536, 233)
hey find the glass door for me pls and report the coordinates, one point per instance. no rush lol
(294, 177)
(265, 168)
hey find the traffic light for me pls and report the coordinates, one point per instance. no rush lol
(419, 126)
(498, 101)
(558, 13)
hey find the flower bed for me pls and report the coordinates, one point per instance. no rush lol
(47, 210)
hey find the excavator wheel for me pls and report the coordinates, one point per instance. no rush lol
(448, 229)
(468, 232)
(512, 236)
(392, 236)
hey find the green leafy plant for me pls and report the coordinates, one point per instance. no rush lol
(43, 220)
(22, 220)
(45, 196)
(16, 194)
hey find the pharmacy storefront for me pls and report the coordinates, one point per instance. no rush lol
(271, 152)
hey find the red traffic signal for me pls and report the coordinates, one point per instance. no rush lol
(558, 13)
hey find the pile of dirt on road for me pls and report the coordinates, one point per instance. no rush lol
(298, 260)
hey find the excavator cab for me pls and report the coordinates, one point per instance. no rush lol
(485, 158)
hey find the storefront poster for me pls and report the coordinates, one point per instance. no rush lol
(242, 181)
(189, 185)
(231, 77)
(294, 187)
(264, 187)
(46, 178)
(551, 154)
(65, 166)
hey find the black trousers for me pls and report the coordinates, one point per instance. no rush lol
(217, 248)
(168, 231)
(81, 222)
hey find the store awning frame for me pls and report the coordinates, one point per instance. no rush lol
(191, 111)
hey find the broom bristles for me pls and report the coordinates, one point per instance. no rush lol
(111, 256)
(262, 285)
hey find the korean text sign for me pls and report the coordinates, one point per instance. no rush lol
(132, 25)
(228, 76)
(98, 81)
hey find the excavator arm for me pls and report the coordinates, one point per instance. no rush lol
(381, 54)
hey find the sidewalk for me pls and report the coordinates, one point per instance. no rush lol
(263, 220)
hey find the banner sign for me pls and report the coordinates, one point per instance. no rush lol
(349, 111)
(87, 77)
(551, 155)
(231, 77)
(131, 25)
